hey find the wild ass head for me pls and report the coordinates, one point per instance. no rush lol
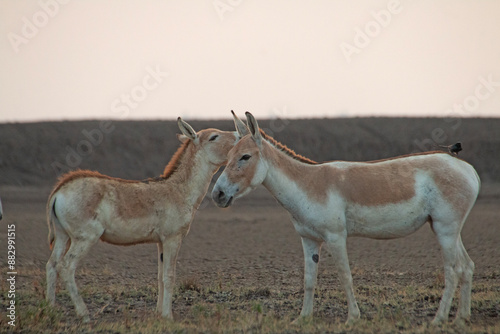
(214, 144)
(245, 169)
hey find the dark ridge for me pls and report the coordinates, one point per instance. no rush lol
(169, 170)
(283, 148)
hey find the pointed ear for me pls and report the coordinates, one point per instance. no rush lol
(253, 126)
(182, 138)
(241, 127)
(186, 129)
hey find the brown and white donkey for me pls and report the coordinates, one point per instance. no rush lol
(384, 199)
(86, 206)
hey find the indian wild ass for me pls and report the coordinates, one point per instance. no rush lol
(86, 206)
(383, 199)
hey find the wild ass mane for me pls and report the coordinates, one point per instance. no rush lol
(174, 162)
(169, 170)
(285, 149)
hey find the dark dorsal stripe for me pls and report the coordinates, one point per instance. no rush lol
(283, 148)
(171, 167)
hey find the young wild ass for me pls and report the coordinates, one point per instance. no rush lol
(86, 206)
(382, 199)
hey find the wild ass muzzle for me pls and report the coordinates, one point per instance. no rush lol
(384, 199)
(86, 206)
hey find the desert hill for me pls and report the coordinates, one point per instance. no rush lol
(36, 153)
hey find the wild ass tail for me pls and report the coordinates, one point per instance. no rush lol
(51, 217)
(478, 181)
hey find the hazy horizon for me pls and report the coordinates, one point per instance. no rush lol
(216, 119)
(148, 60)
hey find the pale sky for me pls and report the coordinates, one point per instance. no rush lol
(119, 59)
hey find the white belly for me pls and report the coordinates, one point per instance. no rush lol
(130, 232)
(388, 221)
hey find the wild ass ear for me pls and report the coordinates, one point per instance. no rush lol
(253, 126)
(186, 129)
(241, 127)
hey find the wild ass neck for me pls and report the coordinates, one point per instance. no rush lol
(192, 176)
(282, 173)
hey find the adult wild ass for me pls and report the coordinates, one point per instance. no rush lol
(383, 199)
(86, 206)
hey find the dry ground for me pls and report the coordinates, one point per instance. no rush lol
(240, 270)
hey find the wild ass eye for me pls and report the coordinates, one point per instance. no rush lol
(245, 157)
(213, 137)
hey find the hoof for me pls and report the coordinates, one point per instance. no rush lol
(168, 316)
(437, 322)
(352, 321)
(353, 317)
(460, 322)
(301, 320)
(86, 319)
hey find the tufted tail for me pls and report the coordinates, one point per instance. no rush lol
(51, 217)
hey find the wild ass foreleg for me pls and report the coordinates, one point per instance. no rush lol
(312, 249)
(171, 248)
(160, 278)
(337, 246)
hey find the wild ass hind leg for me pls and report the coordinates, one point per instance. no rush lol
(312, 250)
(160, 278)
(80, 246)
(463, 313)
(58, 250)
(337, 246)
(171, 248)
(448, 238)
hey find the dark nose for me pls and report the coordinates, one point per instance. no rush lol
(221, 195)
(218, 195)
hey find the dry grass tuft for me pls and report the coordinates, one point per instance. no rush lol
(117, 308)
